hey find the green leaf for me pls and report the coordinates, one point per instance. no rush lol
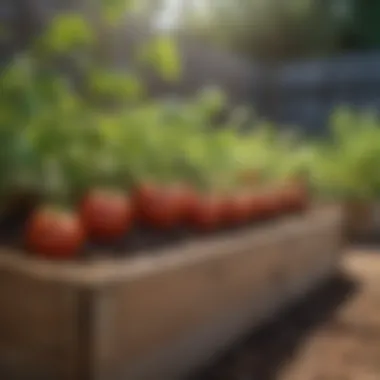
(117, 86)
(67, 32)
(162, 54)
(211, 100)
(115, 10)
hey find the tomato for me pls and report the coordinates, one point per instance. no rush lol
(54, 233)
(107, 215)
(207, 212)
(160, 207)
(296, 197)
(237, 208)
(287, 198)
(184, 197)
(270, 203)
(189, 199)
(300, 197)
(279, 201)
(144, 193)
(256, 206)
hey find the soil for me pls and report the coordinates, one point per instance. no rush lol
(334, 334)
(139, 239)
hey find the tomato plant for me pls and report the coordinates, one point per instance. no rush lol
(71, 140)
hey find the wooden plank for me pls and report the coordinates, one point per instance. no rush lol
(38, 329)
(156, 316)
(154, 323)
(107, 270)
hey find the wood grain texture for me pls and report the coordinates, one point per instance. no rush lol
(153, 323)
(38, 329)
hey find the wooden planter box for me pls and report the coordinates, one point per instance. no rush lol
(156, 316)
(361, 220)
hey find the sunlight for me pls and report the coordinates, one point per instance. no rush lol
(174, 10)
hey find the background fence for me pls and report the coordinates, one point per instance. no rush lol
(305, 93)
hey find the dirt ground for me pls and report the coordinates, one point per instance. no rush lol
(334, 334)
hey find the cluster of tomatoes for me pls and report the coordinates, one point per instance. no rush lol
(107, 216)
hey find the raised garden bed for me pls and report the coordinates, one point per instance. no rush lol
(157, 315)
(361, 221)
(358, 220)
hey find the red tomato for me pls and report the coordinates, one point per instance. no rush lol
(300, 197)
(159, 207)
(207, 212)
(188, 197)
(54, 233)
(257, 206)
(237, 208)
(279, 201)
(143, 193)
(287, 198)
(271, 203)
(106, 215)
(296, 197)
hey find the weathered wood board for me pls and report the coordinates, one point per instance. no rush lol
(157, 316)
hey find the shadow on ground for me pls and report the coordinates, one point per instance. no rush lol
(371, 240)
(264, 352)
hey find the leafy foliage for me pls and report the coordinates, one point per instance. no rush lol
(59, 142)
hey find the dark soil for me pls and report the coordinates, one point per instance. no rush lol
(139, 239)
